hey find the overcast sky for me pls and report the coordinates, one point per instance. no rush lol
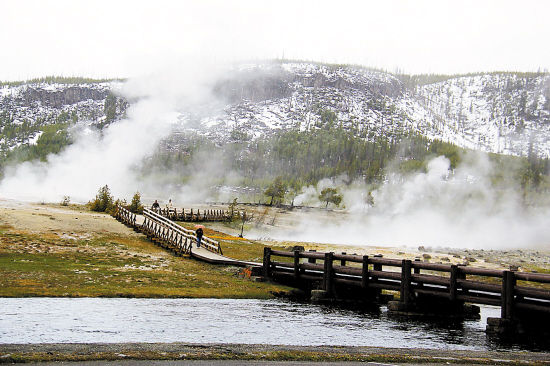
(128, 38)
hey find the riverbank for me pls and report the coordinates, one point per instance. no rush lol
(58, 251)
(186, 351)
(69, 251)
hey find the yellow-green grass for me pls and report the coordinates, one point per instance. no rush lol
(112, 266)
(233, 246)
(268, 355)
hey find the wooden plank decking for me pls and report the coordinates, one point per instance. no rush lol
(176, 238)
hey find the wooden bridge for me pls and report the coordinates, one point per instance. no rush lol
(175, 238)
(524, 298)
(196, 215)
(423, 288)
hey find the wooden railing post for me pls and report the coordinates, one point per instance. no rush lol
(365, 273)
(376, 266)
(507, 295)
(416, 270)
(343, 261)
(453, 284)
(296, 263)
(267, 262)
(312, 260)
(328, 272)
(406, 265)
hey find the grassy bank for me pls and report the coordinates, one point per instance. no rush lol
(108, 264)
(182, 351)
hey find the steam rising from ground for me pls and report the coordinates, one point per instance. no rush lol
(437, 208)
(112, 155)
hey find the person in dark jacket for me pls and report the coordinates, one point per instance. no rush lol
(155, 206)
(199, 237)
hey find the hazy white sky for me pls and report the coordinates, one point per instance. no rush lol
(127, 38)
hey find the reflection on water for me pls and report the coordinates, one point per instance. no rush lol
(90, 320)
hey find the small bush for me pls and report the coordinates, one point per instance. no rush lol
(135, 205)
(103, 201)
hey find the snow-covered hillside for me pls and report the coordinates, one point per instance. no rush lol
(501, 112)
(25, 108)
(497, 112)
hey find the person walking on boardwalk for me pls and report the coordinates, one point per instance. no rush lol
(155, 206)
(199, 233)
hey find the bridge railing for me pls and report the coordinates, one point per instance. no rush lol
(171, 235)
(511, 290)
(208, 243)
(126, 216)
(195, 215)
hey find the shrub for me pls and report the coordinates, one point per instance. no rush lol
(330, 195)
(103, 201)
(276, 190)
(135, 205)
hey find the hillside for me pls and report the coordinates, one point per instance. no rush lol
(499, 112)
(27, 110)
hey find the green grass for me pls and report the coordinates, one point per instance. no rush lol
(206, 353)
(233, 246)
(112, 266)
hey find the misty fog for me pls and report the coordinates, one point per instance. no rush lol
(438, 207)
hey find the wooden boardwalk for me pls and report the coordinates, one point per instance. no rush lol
(524, 297)
(181, 241)
(423, 288)
(196, 215)
(211, 257)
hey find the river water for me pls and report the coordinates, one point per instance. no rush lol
(112, 320)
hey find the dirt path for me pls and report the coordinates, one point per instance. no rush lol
(70, 221)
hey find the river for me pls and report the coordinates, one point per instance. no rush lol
(114, 320)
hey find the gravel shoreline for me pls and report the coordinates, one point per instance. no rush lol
(187, 351)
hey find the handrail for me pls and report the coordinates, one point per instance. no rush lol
(174, 213)
(153, 215)
(451, 283)
(210, 244)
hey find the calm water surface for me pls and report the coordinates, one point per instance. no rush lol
(91, 320)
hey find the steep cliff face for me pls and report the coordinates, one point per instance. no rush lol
(58, 98)
(25, 109)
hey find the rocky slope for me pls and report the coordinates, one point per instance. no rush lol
(26, 108)
(501, 112)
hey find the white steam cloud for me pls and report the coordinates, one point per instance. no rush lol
(438, 208)
(112, 155)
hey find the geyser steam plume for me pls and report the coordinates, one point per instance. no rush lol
(438, 208)
(109, 157)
